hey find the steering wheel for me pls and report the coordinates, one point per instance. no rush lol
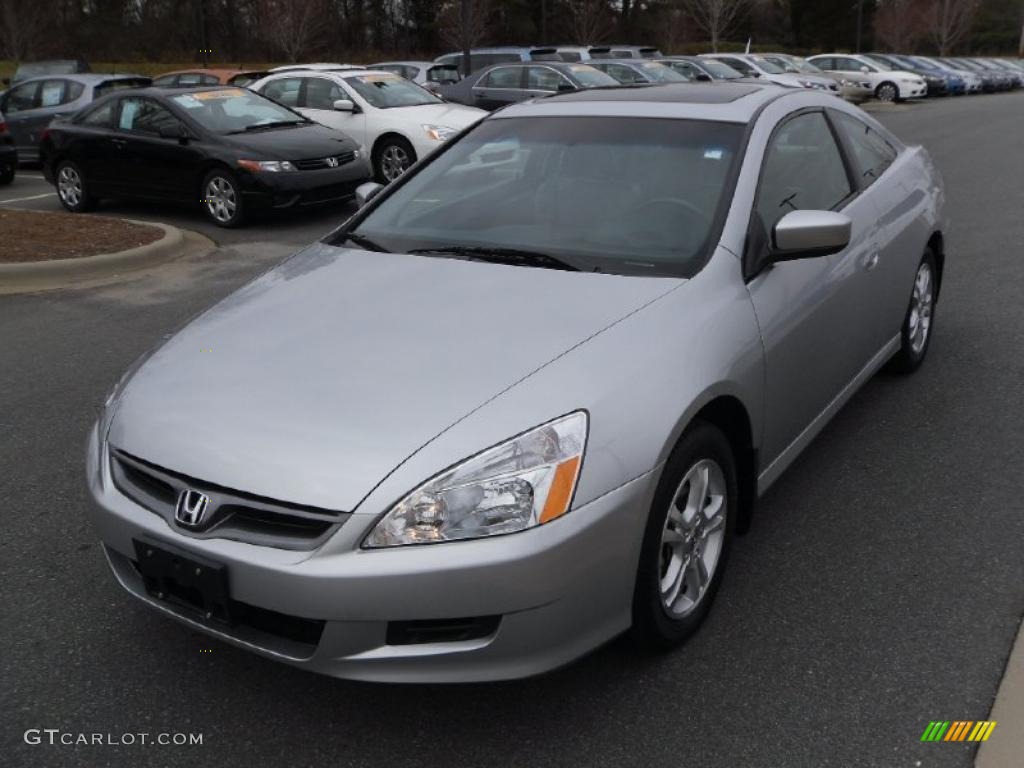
(698, 222)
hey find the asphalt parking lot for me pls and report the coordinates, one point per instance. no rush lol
(881, 586)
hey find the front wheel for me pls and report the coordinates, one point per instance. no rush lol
(687, 539)
(887, 92)
(72, 188)
(919, 322)
(391, 158)
(6, 174)
(222, 200)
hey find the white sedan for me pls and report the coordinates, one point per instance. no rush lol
(889, 84)
(396, 120)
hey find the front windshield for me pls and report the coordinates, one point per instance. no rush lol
(659, 73)
(591, 77)
(719, 69)
(387, 91)
(767, 66)
(610, 194)
(233, 110)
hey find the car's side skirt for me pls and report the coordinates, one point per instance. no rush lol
(784, 459)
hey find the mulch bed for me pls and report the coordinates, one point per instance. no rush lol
(39, 236)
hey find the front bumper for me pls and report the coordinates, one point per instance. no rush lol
(559, 590)
(299, 188)
(912, 90)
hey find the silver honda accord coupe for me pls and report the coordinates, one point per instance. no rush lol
(526, 397)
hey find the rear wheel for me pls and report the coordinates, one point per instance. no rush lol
(916, 333)
(6, 174)
(687, 540)
(72, 188)
(222, 200)
(887, 92)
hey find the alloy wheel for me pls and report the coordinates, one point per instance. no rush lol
(394, 161)
(221, 199)
(69, 186)
(887, 92)
(692, 538)
(920, 321)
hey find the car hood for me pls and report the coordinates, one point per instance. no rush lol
(451, 115)
(293, 143)
(314, 382)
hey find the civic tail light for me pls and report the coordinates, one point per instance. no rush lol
(45, 135)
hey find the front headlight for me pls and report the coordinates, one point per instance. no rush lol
(269, 166)
(521, 483)
(439, 132)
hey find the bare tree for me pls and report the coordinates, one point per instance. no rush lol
(292, 26)
(716, 18)
(22, 24)
(589, 21)
(898, 24)
(947, 22)
(477, 28)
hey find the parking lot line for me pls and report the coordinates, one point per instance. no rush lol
(24, 199)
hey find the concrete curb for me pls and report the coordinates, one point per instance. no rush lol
(63, 273)
(1006, 745)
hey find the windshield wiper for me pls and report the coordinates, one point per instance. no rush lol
(515, 256)
(275, 124)
(363, 242)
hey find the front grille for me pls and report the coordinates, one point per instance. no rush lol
(230, 514)
(318, 163)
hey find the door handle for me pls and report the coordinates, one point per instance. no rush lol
(119, 143)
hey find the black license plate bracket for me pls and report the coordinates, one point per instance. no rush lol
(187, 581)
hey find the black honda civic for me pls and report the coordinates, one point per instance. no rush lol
(228, 149)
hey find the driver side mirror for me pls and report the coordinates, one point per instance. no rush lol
(797, 235)
(344, 105)
(366, 192)
(865, 68)
(178, 131)
(703, 77)
(806, 234)
(563, 86)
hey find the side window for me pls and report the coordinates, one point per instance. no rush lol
(51, 93)
(102, 116)
(739, 65)
(503, 77)
(872, 153)
(624, 74)
(685, 68)
(321, 93)
(570, 55)
(847, 65)
(211, 80)
(165, 81)
(624, 54)
(284, 91)
(543, 79)
(190, 78)
(825, 62)
(803, 170)
(146, 116)
(22, 97)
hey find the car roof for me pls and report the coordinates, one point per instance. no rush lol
(218, 71)
(319, 66)
(721, 102)
(357, 71)
(85, 78)
(408, 63)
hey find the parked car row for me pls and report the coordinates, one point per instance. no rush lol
(393, 113)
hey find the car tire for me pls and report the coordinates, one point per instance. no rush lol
(391, 158)
(887, 92)
(6, 174)
(919, 322)
(72, 187)
(222, 198)
(683, 551)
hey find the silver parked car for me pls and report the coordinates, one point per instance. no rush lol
(32, 104)
(525, 398)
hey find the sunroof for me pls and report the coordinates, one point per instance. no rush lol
(679, 93)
